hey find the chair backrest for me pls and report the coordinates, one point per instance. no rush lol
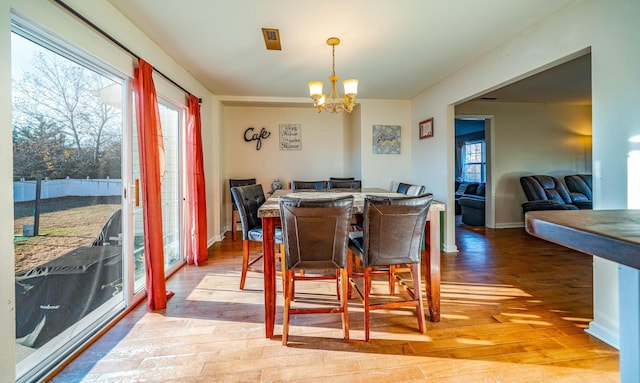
(545, 188)
(580, 183)
(248, 199)
(393, 228)
(341, 178)
(345, 184)
(408, 189)
(239, 182)
(308, 185)
(315, 232)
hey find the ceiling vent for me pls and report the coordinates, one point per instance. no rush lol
(271, 39)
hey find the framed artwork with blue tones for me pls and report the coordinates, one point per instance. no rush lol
(386, 139)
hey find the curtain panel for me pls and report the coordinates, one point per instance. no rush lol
(151, 151)
(196, 199)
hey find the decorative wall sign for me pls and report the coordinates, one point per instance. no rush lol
(290, 137)
(425, 128)
(250, 135)
(386, 139)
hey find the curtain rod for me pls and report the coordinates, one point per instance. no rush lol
(116, 42)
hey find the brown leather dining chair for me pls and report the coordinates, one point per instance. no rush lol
(393, 230)
(345, 184)
(234, 209)
(308, 185)
(315, 236)
(248, 199)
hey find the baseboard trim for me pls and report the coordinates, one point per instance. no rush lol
(609, 337)
(509, 225)
(449, 248)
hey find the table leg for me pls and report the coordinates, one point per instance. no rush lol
(269, 267)
(432, 264)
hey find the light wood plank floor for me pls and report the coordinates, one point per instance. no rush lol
(514, 309)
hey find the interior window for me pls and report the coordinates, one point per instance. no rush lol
(474, 161)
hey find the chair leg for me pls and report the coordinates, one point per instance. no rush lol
(287, 306)
(245, 262)
(234, 218)
(417, 292)
(344, 281)
(367, 290)
(392, 280)
(283, 269)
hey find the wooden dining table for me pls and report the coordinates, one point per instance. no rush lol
(269, 212)
(612, 235)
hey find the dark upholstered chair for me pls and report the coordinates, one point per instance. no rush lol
(408, 189)
(545, 193)
(392, 235)
(234, 208)
(248, 199)
(315, 238)
(342, 178)
(308, 185)
(345, 184)
(580, 185)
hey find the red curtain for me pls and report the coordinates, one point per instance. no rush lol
(196, 202)
(151, 151)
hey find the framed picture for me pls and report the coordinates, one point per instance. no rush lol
(386, 139)
(426, 128)
(290, 137)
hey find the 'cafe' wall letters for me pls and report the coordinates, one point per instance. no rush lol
(249, 136)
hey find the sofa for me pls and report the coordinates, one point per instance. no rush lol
(470, 202)
(580, 185)
(548, 193)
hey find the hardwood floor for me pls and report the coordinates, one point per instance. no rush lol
(514, 309)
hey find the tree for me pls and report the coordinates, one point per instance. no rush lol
(61, 125)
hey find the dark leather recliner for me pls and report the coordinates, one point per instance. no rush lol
(547, 193)
(581, 184)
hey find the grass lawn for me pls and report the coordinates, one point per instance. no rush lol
(65, 223)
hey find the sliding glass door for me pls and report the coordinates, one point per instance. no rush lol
(171, 117)
(67, 126)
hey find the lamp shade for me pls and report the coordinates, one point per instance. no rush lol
(350, 86)
(315, 88)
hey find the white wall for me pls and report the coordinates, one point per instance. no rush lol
(326, 143)
(378, 170)
(532, 139)
(609, 30)
(333, 145)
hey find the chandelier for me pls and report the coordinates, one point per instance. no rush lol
(334, 103)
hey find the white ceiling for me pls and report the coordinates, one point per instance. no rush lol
(397, 49)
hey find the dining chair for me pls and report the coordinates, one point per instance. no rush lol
(234, 209)
(315, 236)
(345, 184)
(248, 199)
(308, 185)
(342, 178)
(393, 231)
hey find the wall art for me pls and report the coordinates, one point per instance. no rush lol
(386, 139)
(250, 135)
(290, 137)
(425, 128)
